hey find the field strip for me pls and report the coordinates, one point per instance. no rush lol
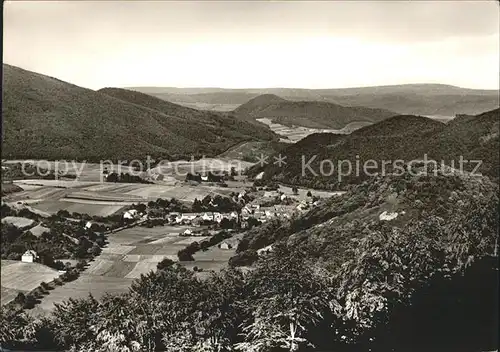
(99, 267)
(26, 276)
(189, 240)
(141, 268)
(86, 284)
(38, 230)
(7, 295)
(117, 249)
(151, 191)
(149, 258)
(55, 183)
(166, 240)
(96, 202)
(120, 269)
(18, 221)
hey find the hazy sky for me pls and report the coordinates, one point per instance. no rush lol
(309, 44)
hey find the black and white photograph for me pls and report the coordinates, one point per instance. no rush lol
(250, 176)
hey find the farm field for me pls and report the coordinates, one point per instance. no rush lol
(180, 168)
(293, 134)
(18, 221)
(86, 171)
(130, 253)
(23, 277)
(38, 230)
(105, 199)
(91, 208)
(302, 195)
(208, 106)
(252, 151)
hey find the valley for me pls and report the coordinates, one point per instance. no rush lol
(215, 235)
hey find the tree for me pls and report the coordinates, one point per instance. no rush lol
(95, 250)
(165, 263)
(12, 326)
(295, 190)
(197, 206)
(227, 224)
(72, 320)
(287, 295)
(163, 303)
(309, 194)
(20, 298)
(185, 255)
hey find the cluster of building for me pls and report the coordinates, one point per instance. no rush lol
(255, 211)
(198, 218)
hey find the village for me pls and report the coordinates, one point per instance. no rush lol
(109, 233)
(250, 208)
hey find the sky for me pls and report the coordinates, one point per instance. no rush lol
(256, 44)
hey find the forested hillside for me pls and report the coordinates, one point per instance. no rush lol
(405, 138)
(47, 118)
(312, 114)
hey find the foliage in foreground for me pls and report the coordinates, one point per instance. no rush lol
(345, 286)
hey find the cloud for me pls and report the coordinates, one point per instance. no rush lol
(324, 43)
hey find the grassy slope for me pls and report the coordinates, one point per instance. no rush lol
(251, 151)
(47, 118)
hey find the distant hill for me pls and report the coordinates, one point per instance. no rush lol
(44, 117)
(407, 99)
(311, 114)
(403, 138)
(399, 125)
(255, 105)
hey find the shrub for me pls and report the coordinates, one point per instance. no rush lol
(29, 302)
(165, 263)
(185, 256)
(245, 258)
(20, 298)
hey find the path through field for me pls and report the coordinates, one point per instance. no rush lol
(130, 253)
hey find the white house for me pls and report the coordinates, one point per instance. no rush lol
(246, 210)
(234, 215)
(265, 250)
(88, 225)
(283, 197)
(207, 217)
(204, 178)
(225, 245)
(388, 216)
(29, 256)
(187, 232)
(217, 217)
(188, 216)
(130, 214)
